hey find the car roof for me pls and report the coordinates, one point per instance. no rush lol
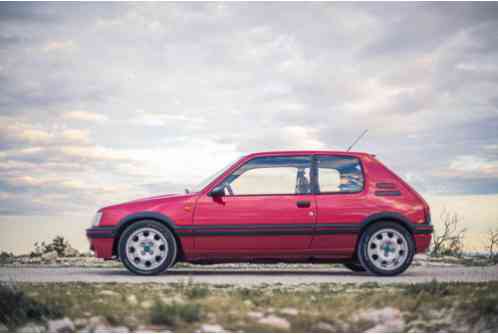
(306, 152)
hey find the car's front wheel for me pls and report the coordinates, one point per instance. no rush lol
(147, 248)
(386, 249)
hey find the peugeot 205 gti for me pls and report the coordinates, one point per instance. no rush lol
(299, 206)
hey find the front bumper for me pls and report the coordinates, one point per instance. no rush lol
(101, 239)
(100, 232)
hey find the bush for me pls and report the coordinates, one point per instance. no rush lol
(6, 258)
(58, 245)
(171, 314)
(492, 245)
(16, 308)
(448, 242)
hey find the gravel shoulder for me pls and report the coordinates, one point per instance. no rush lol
(248, 276)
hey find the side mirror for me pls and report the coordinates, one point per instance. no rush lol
(218, 191)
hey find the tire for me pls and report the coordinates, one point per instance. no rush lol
(147, 248)
(356, 267)
(386, 249)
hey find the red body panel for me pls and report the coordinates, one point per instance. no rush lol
(249, 211)
(256, 227)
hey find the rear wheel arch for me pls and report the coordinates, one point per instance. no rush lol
(387, 217)
(392, 217)
(385, 227)
(136, 217)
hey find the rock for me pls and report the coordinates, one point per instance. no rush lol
(96, 324)
(248, 303)
(275, 321)
(80, 322)
(3, 328)
(64, 325)
(207, 328)
(255, 315)
(108, 293)
(31, 328)
(117, 329)
(147, 304)
(289, 311)
(325, 327)
(132, 300)
(50, 256)
(387, 319)
(173, 300)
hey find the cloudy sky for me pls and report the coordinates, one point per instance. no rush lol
(101, 103)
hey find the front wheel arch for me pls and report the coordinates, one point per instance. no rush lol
(127, 221)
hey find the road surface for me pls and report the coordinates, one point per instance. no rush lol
(247, 277)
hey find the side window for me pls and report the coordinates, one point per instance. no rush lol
(337, 174)
(271, 176)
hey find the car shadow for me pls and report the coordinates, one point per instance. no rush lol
(234, 272)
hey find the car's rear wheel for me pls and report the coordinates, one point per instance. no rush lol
(386, 249)
(356, 267)
(147, 248)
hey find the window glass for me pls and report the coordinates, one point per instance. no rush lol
(339, 174)
(270, 176)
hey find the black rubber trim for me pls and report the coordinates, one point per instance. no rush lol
(260, 229)
(385, 185)
(387, 193)
(387, 215)
(424, 229)
(101, 232)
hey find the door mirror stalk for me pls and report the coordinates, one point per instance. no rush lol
(218, 191)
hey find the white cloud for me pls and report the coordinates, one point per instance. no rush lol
(472, 166)
(87, 116)
(59, 46)
(75, 135)
(163, 119)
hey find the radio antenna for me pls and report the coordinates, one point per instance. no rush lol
(357, 140)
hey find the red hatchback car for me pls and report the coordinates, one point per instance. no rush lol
(292, 206)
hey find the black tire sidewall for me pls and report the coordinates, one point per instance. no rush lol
(160, 228)
(363, 248)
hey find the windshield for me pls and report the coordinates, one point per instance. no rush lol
(210, 179)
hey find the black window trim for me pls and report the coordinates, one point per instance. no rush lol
(313, 176)
(316, 186)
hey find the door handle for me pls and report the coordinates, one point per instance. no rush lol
(303, 204)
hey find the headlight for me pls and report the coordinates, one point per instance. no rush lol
(96, 218)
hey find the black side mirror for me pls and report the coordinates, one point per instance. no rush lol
(218, 191)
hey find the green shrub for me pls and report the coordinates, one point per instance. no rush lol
(16, 308)
(6, 258)
(172, 314)
(197, 291)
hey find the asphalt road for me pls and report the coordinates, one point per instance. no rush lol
(247, 277)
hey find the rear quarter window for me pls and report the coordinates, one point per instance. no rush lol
(339, 174)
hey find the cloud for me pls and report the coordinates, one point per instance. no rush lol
(474, 166)
(163, 119)
(59, 46)
(166, 93)
(86, 116)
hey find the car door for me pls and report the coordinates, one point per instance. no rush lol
(340, 200)
(267, 205)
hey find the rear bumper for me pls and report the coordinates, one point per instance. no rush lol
(101, 241)
(423, 237)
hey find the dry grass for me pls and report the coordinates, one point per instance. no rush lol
(184, 307)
